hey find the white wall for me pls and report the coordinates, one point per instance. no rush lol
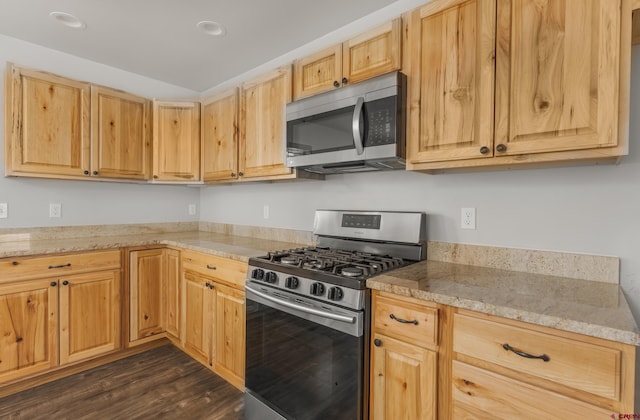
(85, 202)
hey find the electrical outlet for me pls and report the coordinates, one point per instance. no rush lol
(468, 218)
(4, 211)
(192, 209)
(265, 211)
(55, 210)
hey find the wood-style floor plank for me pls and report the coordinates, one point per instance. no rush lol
(163, 383)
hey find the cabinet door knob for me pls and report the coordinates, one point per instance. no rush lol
(211, 286)
(345, 80)
(240, 174)
(501, 148)
(377, 342)
(484, 150)
(86, 172)
(336, 83)
(233, 174)
(95, 172)
(208, 285)
(65, 283)
(54, 284)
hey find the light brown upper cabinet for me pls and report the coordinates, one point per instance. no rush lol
(46, 124)
(120, 134)
(370, 54)
(554, 69)
(263, 126)
(176, 141)
(220, 137)
(62, 128)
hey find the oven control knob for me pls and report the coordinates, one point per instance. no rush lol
(257, 274)
(335, 293)
(317, 289)
(291, 283)
(271, 277)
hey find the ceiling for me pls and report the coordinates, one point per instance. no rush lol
(159, 38)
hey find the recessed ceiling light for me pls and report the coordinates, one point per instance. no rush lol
(68, 20)
(211, 28)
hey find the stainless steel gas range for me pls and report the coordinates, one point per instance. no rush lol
(308, 317)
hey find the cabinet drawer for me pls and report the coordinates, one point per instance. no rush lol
(223, 269)
(23, 268)
(478, 393)
(580, 365)
(406, 321)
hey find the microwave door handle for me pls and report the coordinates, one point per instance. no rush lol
(356, 126)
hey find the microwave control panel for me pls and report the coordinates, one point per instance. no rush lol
(381, 122)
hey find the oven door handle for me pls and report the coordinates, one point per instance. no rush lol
(302, 308)
(356, 126)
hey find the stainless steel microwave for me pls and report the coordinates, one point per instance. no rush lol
(356, 128)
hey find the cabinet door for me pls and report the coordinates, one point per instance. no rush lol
(28, 328)
(146, 287)
(89, 315)
(120, 134)
(47, 124)
(556, 75)
(403, 380)
(318, 72)
(263, 126)
(220, 137)
(176, 141)
(197, 305)
(373, 53)
(172, 292)
(451, 51)
(229, 338)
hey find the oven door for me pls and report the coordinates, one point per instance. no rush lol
(305, 359)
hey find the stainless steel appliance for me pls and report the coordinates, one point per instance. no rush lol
(356, 128)
(308, 321)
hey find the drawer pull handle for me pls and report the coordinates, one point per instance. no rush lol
(403, 321)
(507, 347)
(59, 266)
(211, 267)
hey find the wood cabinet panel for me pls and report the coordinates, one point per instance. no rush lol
(375, 52)
(488, 395)
(263, 125)
(47, 124)
(172, 292)
(451, 83)
(197, 306)
(220, 136)
(28, 328)
(176, 141)
(221, 269)
(23, 268)
(557, 73)
(120, 134)
(229, 333)
(403, 382)
(146, 289)
(89, 315)
(421, 328)
(318, 72)
(584, 366)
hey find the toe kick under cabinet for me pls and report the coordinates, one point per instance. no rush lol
(57, 309)
(433, 361)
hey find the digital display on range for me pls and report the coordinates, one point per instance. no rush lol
(361, 221)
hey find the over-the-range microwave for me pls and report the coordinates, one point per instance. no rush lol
(356, 128)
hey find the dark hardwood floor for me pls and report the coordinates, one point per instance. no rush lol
(163, 383)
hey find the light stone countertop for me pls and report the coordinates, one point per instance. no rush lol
(591, 308)
(239, 248)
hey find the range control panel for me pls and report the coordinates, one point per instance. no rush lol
(361, 221)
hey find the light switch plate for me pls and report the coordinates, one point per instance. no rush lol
(192, 209)
(55, 210)
(4, 211)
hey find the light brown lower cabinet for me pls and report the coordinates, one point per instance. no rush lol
(213, 313)
(450, 363)
(56, 310)
(154, 294)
